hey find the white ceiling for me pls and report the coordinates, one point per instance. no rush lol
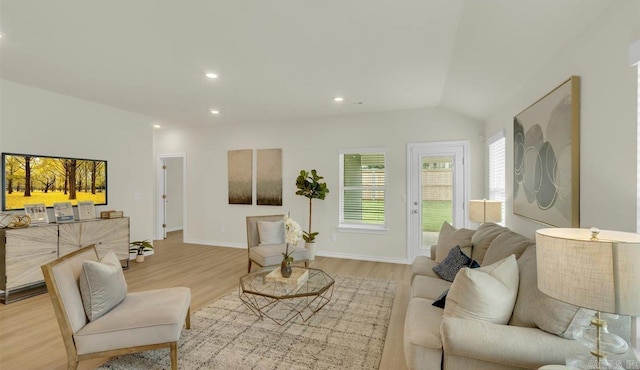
(285, 59)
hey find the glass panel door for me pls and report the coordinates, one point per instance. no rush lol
(436, 178)
(436, 185)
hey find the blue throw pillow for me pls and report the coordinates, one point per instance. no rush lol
(456, 260)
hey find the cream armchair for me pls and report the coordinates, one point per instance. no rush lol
(141, 321)
(267, 254)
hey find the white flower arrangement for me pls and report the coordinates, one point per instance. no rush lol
(293, 233)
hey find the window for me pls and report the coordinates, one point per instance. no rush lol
(497, 170)
(362, 189)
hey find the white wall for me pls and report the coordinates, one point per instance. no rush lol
(174, 192)
(36, 121)
(608, 120)
(312, 144)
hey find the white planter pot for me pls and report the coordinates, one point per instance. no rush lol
(140, 258)
(311, 247)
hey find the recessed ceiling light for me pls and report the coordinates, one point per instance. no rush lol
(338, 99)
(156, 126)
(211, 75)
(213, 111)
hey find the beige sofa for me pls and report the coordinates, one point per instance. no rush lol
(534, 336)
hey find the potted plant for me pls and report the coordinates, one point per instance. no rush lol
(138, 247)
(309, 186)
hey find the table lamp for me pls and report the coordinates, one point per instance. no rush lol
(485, 210)
(593, 269)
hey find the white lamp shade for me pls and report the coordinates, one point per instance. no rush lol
(600, 274)
(485, 210)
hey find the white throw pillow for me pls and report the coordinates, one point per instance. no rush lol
(487, 293)
(271, 232)
(102, 285)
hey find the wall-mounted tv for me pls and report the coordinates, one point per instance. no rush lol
(29, 179)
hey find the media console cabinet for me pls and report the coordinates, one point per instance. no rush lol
(23, 251)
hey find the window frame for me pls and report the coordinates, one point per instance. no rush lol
(500, 135)
(361, 227)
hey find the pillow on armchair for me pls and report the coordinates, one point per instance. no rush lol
(102, 285)
(271, 232)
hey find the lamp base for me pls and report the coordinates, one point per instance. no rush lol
(587, 361)
(600, 342)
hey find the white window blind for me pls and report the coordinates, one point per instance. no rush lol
(362, 189)
(497, 170)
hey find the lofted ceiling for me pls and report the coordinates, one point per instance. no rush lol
(285, 59)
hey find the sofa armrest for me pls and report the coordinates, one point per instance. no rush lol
(504, 344)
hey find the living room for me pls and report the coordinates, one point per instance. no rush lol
(37, 119)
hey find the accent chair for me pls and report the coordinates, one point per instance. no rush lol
(141, 321)
(267, 250)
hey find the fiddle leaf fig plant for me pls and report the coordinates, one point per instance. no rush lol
(309, 186)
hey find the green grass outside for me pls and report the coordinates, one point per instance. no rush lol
(434, 213)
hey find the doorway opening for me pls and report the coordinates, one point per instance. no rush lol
(171, 195)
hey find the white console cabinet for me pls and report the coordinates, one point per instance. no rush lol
(23, 251)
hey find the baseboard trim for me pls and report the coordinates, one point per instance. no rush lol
(359, 257)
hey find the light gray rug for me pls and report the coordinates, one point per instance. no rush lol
(348, 333)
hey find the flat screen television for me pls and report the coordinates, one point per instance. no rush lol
(36, 179)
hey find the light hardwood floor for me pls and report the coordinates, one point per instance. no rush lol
(30, 337)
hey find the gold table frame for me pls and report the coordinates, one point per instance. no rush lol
(266, 298)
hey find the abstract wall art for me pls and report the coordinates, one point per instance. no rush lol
(546, 155)
(269, 177)
(240, 176)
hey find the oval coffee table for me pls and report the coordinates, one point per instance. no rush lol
(270, 295)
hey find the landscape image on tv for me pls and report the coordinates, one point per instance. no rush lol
(29, 179)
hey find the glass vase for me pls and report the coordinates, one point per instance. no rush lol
(285, 269)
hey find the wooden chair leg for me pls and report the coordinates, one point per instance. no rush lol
(249, 267)
(72, 364)
(188, 319)
(174, 355)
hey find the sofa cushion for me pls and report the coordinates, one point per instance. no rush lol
(422, 344)
(158, 314)
(483, 237)
(487, 293)
(271, 255)
(537, 310)
(102, 285)
(449, 267)
(506, 244)
(428, 287)
(450, 237)
(423, 265)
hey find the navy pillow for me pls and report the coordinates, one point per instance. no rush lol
(456, 260)
(441, 300)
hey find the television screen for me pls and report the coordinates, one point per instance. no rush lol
(29, 179)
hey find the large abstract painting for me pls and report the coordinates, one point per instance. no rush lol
(269, 177)
(546, 155)
(240, 172)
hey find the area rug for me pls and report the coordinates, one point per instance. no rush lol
(348, 333)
